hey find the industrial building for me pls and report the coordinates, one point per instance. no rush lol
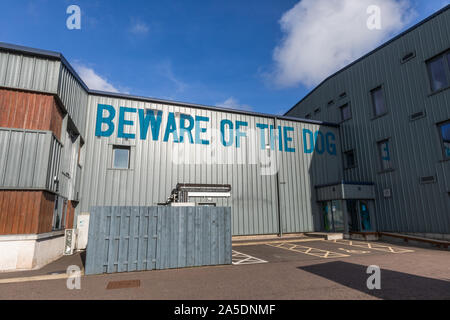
(393, 110)
(367, 150)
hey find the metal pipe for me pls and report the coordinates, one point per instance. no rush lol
(280, 221)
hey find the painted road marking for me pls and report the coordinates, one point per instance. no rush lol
(354, 251)
(37, 278)
(239, 258)
(252, 243)
(309, 250)
(373, 246)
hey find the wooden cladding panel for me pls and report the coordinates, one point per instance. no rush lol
(25, 110)
(70, 214)
(47, 205)
(26, 212)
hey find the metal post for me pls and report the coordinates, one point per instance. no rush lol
(280, 221)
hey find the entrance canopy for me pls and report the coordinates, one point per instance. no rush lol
(346, 190)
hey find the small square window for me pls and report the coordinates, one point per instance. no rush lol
(385, 155)
(379, 106)
(349, 159)
(439, 72)
(121, 157)
(345, 112)
(444, 130)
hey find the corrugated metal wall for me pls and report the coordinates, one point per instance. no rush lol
(300, 172)
(45, 75)
(27, 72)
(156, 167)
(124, 239)
(74, 97)
(415, 145)
(27, 158)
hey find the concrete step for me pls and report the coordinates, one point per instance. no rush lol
(326, 235)
(366, 236)
(415, 240)
(267, 238)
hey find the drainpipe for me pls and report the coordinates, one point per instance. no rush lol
(280, 221)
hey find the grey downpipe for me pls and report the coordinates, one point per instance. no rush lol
(280, 221)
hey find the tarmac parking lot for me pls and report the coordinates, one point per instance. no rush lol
(285, 269)
(312, 250)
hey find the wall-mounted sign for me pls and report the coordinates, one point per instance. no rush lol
(193, 130)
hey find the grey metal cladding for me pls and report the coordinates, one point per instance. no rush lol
(155, 170)
(156, 167)
(53, 173)
(74, 98)
(28, 72)
(34, 73)
(300, 172)
(25, 159)
(415, 145)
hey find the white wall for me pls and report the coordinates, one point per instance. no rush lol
(26, 252)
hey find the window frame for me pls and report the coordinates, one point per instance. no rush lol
(380, 159)
(445, 157)
(346, 165)
(445, 56)
(59, 200)
(372, 100)
(347, 104)
(121, 147)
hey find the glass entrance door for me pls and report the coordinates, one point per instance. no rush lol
(352, 215)
(333, 216)
(358, 215)
(365, 216)
(327, 216)
(338, 216)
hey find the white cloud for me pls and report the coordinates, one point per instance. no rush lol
(232, 103)
(93, 80)
(139, 27)
(322, 36)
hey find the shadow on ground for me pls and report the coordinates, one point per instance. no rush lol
(394, 285)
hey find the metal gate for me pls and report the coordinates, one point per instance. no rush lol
(124, 239)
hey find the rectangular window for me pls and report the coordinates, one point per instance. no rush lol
(308, 116)
(317, 111)
(349, 159)
(121, 157)
(439, 72)
(385, 155)
(59, 213)
(444, 130)
(345, 112)
(379, 106)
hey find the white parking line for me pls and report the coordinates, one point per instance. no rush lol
(239, 258)
(373, 246)
(309, 250)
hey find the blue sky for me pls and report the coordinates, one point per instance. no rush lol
(254, 55)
